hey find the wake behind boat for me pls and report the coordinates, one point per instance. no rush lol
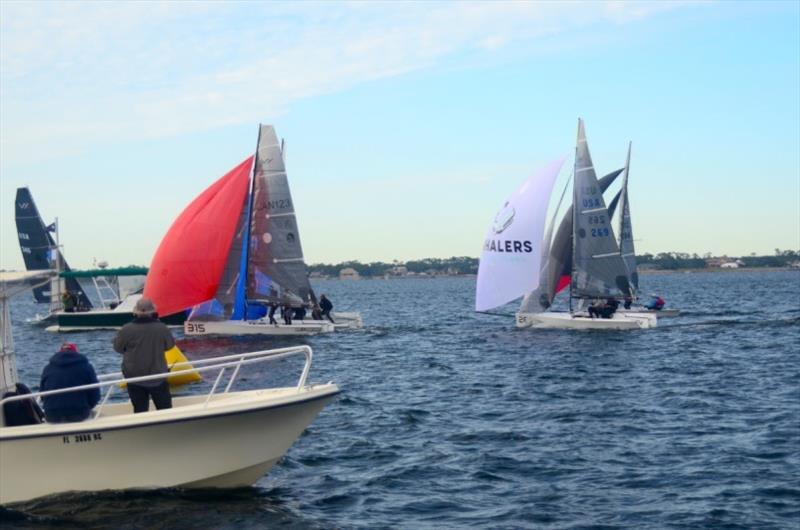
(252, 260)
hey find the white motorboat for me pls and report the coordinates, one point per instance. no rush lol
(222, 439)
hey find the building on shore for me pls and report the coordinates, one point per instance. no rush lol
(349, 273)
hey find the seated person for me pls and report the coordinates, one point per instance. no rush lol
(610, 307)
(596, 308)
(655, 303)
(68, 368)
(22, 412)
(300, 313)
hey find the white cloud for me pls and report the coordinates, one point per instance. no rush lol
(98, 71)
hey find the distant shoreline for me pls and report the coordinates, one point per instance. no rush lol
(641, 272)
(716, 269)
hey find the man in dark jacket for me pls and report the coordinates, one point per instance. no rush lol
(68, 368)
(326, 306)
(142, 344)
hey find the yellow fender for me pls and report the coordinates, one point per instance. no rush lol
(182, 374)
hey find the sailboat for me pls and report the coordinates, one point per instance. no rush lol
(114, 293)
(235, 251)
(227, 438)
(595, 265)
(626, 245)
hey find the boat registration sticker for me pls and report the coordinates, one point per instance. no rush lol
(82, 438)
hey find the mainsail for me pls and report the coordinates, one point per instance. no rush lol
(276, 272)
(40, 252)
(558, 271)
(598, 269)
(512, 251)
(626, 229)
(190, 261)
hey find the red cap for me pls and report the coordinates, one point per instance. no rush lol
(69, 346)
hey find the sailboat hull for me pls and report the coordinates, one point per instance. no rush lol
(231, 442)
(103, 319)
(563, 320)
(663, 313)
(256, 327)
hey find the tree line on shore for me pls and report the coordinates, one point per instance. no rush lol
(468, 265)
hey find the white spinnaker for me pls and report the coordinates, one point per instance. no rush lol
(512, 251)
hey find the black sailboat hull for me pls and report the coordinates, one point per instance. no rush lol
(89, 320)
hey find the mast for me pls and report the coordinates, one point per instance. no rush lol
(244, 267)
(55, 296)
(574, 216)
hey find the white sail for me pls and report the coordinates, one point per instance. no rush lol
(512, 251)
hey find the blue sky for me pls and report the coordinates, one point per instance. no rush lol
(407, 124)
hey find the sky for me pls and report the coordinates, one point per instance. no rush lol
(406, 124)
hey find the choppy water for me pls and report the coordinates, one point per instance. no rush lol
(450, 419)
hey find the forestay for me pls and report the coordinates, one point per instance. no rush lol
(512, 251)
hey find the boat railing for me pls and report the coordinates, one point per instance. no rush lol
(222, 364)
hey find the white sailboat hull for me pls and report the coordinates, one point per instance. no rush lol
(564, 320)
(351, 320)
(662, 313)
(256, 327)
(263, 327)
(231, 442)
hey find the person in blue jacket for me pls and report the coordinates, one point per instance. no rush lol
(68, 368)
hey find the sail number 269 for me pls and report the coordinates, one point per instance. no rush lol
(600, 232)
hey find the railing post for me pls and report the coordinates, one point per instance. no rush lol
(213, 388)
(235, 373)
(102, 403)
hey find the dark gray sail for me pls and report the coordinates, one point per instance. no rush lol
(626, 229)
(276, 272)
(598, 269)
(39, 251)
(559, 259)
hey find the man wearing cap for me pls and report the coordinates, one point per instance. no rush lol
(142, 344)
(68, 368)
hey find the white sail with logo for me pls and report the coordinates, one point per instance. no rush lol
(512, 251)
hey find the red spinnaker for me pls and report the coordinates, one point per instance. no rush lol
(188, 264)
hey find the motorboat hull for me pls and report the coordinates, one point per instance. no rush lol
(564, 320)
(231, 442)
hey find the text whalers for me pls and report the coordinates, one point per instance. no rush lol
(498, 245)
